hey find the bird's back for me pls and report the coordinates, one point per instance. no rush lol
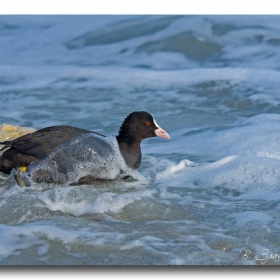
(36, 146)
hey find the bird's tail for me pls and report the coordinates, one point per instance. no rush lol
(6, 145)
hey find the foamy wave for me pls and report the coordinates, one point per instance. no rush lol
(240, 173)
(80, 201)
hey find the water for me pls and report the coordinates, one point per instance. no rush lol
(210, 195)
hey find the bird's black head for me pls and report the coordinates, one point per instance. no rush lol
(138, 126)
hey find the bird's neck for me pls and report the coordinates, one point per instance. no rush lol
(131, 151)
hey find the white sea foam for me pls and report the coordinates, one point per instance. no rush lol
(80, 201)
(203, 197)
(87, 155)
(233, 172)
(256, 136)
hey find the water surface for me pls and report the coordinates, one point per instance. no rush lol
(211, 194)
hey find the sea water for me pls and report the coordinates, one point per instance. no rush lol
(210, 195)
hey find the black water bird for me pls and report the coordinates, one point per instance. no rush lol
(65, 154)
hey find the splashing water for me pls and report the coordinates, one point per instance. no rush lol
(208, 196)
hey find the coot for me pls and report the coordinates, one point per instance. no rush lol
(69, 155)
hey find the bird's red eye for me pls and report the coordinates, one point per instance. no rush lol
(147, 124)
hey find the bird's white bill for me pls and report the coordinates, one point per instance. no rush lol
(161, 132)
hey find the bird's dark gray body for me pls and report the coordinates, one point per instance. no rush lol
(70, 155)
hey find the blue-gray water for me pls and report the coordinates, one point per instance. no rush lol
(211, 194)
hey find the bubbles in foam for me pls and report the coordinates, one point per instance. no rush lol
(89, 200)
(89, 156)
(233, 172)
